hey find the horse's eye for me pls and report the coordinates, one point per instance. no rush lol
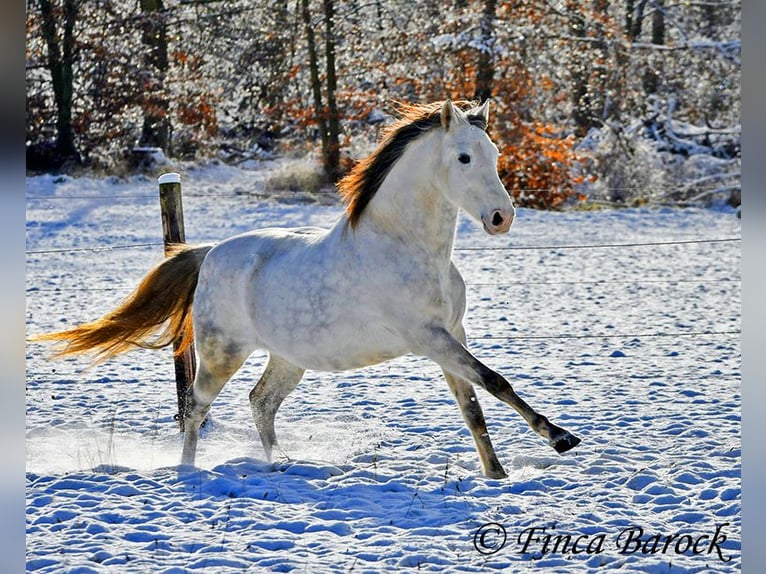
(464, 158)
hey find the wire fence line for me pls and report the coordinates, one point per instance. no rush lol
(601, 282)
(93, 249)
(599, 245)
(105, 197)
(459, 248)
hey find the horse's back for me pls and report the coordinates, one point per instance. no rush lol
(229, 278)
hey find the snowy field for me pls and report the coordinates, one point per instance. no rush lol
(635, 349)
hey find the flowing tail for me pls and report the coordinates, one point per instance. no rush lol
(156, 314)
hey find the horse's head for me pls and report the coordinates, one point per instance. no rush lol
(468, 168)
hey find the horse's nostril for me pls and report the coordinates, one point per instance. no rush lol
(497, 219)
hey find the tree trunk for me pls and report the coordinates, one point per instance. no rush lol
(59, 64)
(637, 20)
(486, 68)
(316, 85)
(658, 23)
(579, 71)
(601, 106)
(653, 70)
(156, 127)
(589, 66)
(332, 151)
(629, 7)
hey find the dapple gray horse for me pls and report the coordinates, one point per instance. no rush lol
(379, 284)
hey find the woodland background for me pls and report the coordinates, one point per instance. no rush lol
(598, 102)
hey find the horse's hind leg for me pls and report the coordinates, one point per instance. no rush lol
(474, 418)
(214, 370)
(278, 380)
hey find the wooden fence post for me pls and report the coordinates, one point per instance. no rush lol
(173, 232)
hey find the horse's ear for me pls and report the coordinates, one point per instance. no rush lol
(483, 112)
(449, 114)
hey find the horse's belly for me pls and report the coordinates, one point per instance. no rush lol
(339, 349)
(344, 362)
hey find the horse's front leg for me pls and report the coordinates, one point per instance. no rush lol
(439, 345)
(473, 416)
(466, 398)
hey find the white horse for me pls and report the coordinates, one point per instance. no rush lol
(379, 284)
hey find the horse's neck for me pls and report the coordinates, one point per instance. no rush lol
(409, 207)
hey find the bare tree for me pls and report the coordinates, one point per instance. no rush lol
(579, 70)
(156, 126)
(653, 71)
(485, 69)
(58, 24)
(316, 84)
(634, 18)
(327, 117)
(332, 151)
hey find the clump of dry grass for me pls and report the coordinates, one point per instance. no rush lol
(301, 180)
(298, 175)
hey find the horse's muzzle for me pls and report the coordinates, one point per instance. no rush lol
(499, 221)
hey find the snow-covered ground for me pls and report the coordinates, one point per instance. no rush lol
(634, 349)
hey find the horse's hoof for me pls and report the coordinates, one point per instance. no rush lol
(565, 443)
(497, 472)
